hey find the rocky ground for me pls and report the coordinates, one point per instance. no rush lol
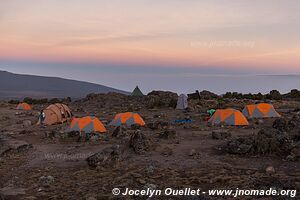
(48, 163)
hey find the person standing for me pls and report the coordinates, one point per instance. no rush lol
(42, 117)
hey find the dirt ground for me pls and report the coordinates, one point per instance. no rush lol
(193, 159)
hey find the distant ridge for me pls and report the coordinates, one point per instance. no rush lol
(17, 86)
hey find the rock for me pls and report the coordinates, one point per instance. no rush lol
(135, 126)
(270, 170)
(192, 152)
(270, 141)
(54, 133)
(296, 151)
(238, 146)
(280, 124)
(291, 158)
(46, 181)
(141, 181)
(195, 95)
(139, 142)
(161, 99)
(97, 137)
(158, 125)
(11, 192)
(120, 132)
(150, 186)
(168, 134)
(220, 134)
(8, 144)
(26, 123)
(150, 169)
(275, 95)
(208, 95)
(108, 157)
(260, 121)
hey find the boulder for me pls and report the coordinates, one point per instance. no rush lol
(208, 95)
(139, 142)
(269, 141)
(27, 123)
(280, 124)
(8, 144)
(108, 157)
(46, 181)
(119, 132)
(161, 99)
(238, 146)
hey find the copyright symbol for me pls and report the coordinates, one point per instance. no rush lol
(116, 191)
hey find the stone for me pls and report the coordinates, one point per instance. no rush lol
(27, 123)
(46, 180)
(270, 170)
(119, 131)
(141, 181)
(192, 152)
(291, 158)
(150, 169)
(150, 186)
(296, 151)
(280, 124)
(8, 144)
(139, 142)
(108, 157)
(11, 192)
(260, 121)
(238, 146)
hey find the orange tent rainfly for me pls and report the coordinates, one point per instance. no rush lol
(23, 106)
(262, 110)
(128, 118)
(228, 117)
(88, 125)
(56, 113)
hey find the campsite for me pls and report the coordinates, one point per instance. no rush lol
(161, 139)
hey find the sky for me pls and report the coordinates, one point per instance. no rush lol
(151, 43)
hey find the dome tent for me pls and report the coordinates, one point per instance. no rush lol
(23, 106)
(261, 110)
(127, 118)
(228, 116)
(56, 113)
(87, 124)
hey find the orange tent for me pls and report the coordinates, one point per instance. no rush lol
(88, 125)
(56, 113)
(127, 118)
(23, 106)
(262, 110)
(228, 117)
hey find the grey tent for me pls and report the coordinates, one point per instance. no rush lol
(137, 92)
(182, 102)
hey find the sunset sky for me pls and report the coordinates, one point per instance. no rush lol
(122, 43)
